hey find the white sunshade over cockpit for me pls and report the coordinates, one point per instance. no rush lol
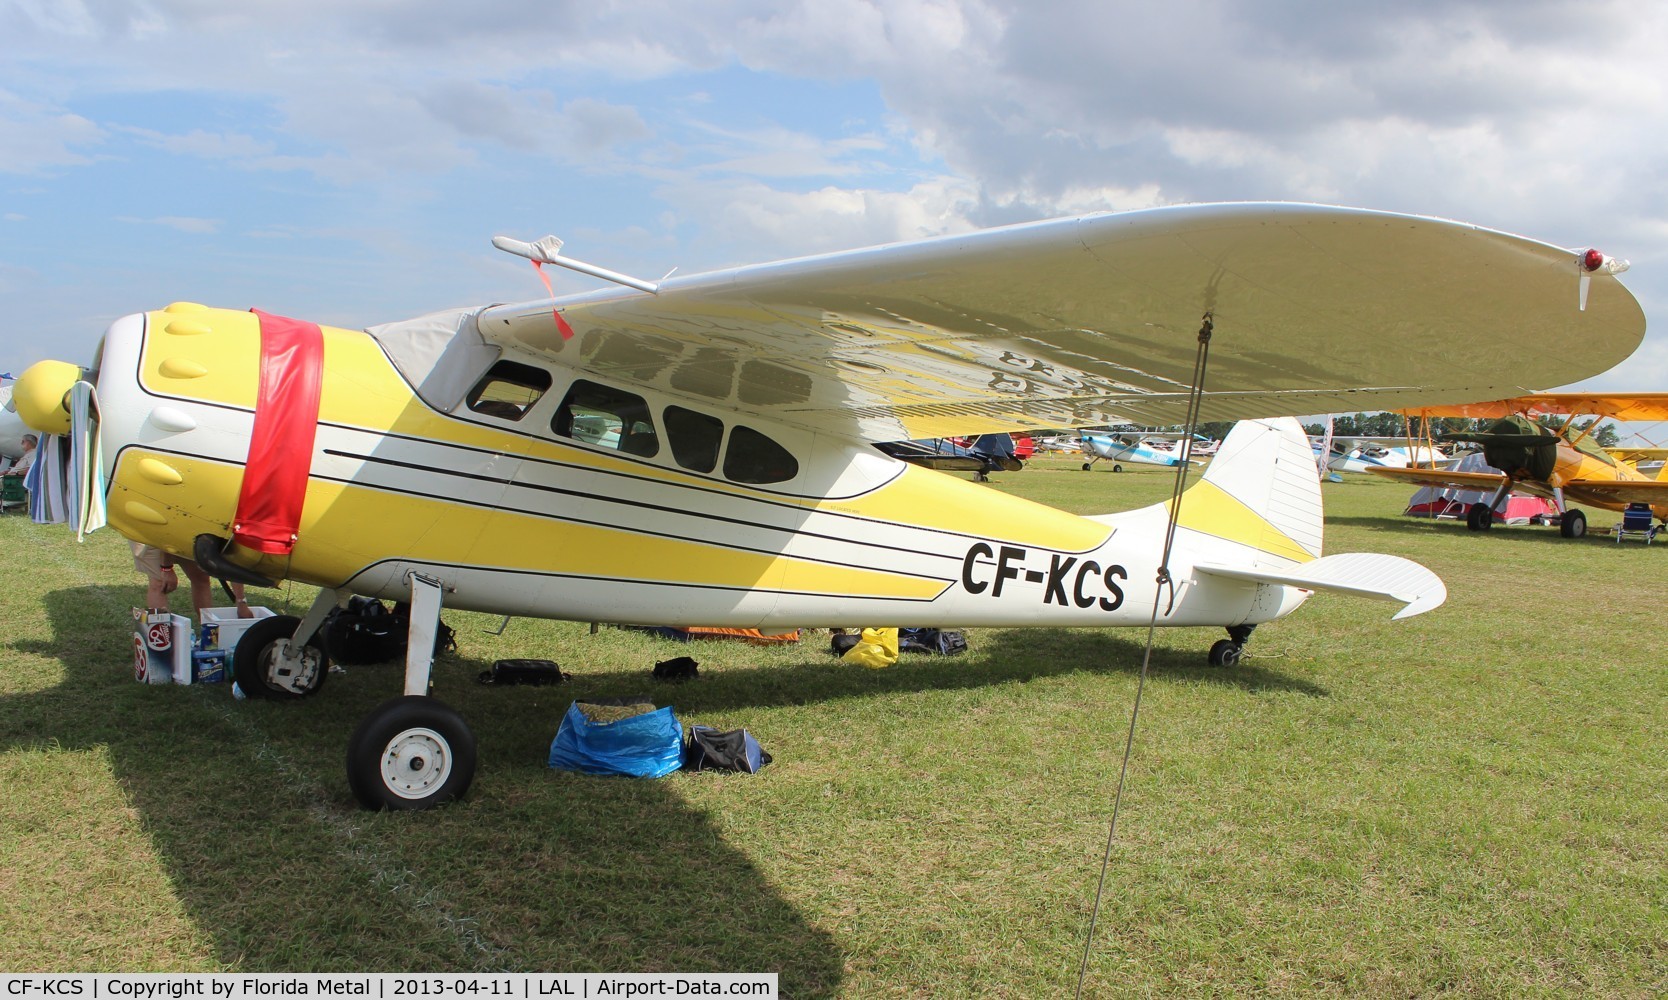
(441, 354)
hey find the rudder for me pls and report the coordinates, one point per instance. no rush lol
(1261, 489)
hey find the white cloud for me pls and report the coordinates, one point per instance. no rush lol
(35, 137)
(182, 223)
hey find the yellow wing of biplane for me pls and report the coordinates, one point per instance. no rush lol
(1096, 320)
(1442, 478)
(1652, 491)
(1642, 406)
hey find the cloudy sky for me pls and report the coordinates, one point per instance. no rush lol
(348, 161)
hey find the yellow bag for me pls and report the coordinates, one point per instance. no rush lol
(878, 648)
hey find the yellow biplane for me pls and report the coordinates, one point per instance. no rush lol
(1565, 466)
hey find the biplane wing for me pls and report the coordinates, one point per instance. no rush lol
(1442, 479)
(1639, 406)
(1651, 491)
(1095, 320)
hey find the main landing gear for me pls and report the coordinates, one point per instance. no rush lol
(1228, 652)
(410, 752)
(1573, 524)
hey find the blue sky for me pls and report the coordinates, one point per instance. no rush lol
(349, 161)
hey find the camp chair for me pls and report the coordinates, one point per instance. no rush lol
(12, 493)
(1636, 520)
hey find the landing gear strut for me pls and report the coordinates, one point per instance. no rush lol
(413, 752)
(283, 656)
(1228, 652)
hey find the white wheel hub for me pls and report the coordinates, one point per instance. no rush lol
(416, 763)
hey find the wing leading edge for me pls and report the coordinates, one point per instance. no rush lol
(1095, 320)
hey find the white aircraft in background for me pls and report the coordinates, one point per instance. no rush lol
(1363, 454)
(701, 450)
(11, 427)
(1119, 447)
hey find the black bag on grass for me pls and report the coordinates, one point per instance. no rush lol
(367, 631)
(707, 749)
(678, 668)
(524, 672)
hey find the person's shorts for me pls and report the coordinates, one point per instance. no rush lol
(147, 559)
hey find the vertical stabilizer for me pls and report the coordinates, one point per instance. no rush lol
(1261, 490)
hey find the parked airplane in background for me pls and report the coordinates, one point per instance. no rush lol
(700, 450)
(982, 455)
(1119, 447)
(1564, 466)
(1364, 454)
(11, 426)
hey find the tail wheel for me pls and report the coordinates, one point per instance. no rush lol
(411, 752)
(261, 672)
(1573, 524)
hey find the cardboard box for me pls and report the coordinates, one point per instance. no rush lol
(161, 648)
(209, 666)
(229, 627)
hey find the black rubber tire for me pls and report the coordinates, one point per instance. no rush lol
(411, 752)
(1225, 653)
(252, 659)
(1480, 517)
(1087, 466)
(1116, 467)
(1573, 524)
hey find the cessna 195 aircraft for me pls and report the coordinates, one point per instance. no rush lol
(701, 450)
(1563, 467)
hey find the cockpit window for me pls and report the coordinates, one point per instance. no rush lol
(607, 418)
(508, 390)
(694, 438)
(755, 459)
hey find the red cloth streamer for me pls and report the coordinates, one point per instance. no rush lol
(281, 442)
(561, 324)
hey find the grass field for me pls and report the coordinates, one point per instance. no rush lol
(1472, 802)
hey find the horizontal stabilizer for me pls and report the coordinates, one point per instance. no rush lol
(1368, 574)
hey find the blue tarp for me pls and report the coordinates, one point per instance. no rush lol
(641, 746)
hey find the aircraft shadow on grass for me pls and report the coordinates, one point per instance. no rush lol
(285, 872)
(1001, 656)
(627, 877)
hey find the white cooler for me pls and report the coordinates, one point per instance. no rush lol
(230, 626)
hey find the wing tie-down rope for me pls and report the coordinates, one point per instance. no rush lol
(1195, 399)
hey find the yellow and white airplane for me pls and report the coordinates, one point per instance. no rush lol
(1564, 467)
(701, 450)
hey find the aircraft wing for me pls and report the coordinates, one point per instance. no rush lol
(1095, 320)
(1639, 406)
(1651, 491)
(1442, 478)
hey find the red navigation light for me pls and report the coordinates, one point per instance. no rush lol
(1592, 260)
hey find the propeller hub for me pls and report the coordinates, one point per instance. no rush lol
(41, 396)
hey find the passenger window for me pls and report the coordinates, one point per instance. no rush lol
(508, 390)
(607, 418)
(755, 459)
(694, 438)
